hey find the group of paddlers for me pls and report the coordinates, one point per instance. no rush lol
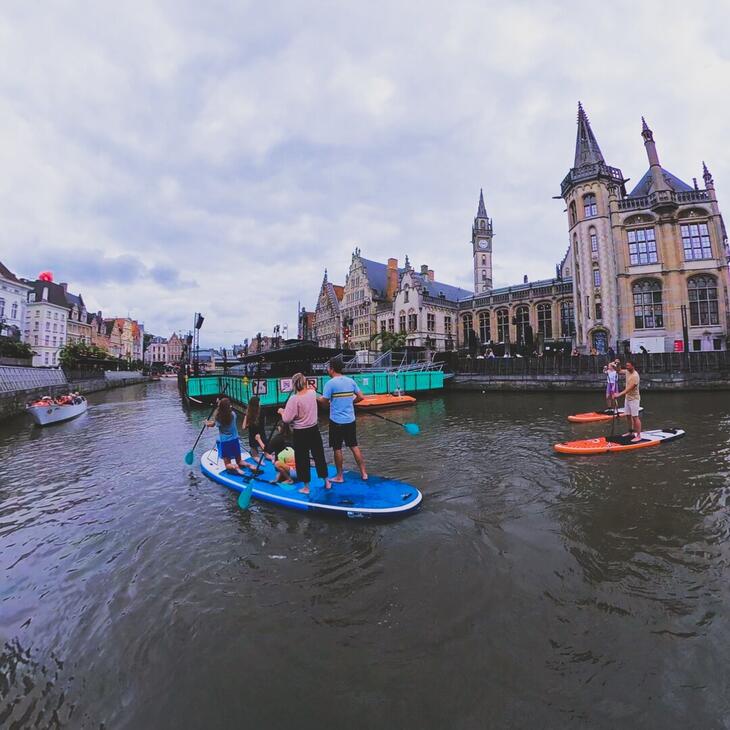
(296, 442)
(631, 395)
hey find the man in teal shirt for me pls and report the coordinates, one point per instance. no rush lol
(340, 394)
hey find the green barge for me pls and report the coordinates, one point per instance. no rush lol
(275, 391)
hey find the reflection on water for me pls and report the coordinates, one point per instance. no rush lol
(531, 590)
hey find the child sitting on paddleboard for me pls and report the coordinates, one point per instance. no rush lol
(611, 386)
(279, 441)
(229, 447)
(253, 421)
(285, 466)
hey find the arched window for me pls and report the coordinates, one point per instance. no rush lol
(412, 321)
(647, 304)
(573, 216)
(703, 309)
(402, 322)
(594, 240)
(599, 309)
(590, 208)
(545, 320)
(502, 325)
(596, 276)
(481, 224)
(467, 322)
(522, 315)
(567, 318)
(485, 333)
(484, 259)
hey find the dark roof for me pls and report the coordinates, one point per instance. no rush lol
(7, 274)
(643, 187)
(587, 151)
(56, 294)
(76, 299)
(436, 288)
(378, 275)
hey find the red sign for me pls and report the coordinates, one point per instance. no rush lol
(679, 345)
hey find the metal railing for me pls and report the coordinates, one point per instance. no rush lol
(14, 378)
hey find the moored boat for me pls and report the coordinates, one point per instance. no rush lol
(47, 411)
(386, 400)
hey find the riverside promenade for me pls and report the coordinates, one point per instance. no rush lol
(19, 385)
(659, 371)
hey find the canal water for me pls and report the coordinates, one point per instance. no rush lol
(531, 590)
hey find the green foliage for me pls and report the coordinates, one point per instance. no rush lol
(13, 348)
(73, 353)
(390, 340)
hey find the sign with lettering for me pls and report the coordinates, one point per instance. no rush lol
(312, 383)
(259, 387)
(285, 385)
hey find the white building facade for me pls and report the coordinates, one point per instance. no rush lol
(45, 322)
(13, 300)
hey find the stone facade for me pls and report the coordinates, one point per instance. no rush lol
(327, 315)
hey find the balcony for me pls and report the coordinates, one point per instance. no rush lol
(663, 200)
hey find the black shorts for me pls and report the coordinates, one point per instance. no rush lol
(342, 432)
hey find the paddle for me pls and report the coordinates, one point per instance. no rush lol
(190, 456)
(410, 428)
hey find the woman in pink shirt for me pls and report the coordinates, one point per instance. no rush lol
(300, 413)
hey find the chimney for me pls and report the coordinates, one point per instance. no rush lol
(63, 285)
(391, 286)
(424, 269)
(524, 279)
(431, 275)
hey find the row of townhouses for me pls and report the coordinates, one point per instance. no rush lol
(645, 267)
(47, 316)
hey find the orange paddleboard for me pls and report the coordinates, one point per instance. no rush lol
(385, 401)
(611, 444)
(597, 416)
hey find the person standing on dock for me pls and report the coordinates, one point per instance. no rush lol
(301, 413)
(340, 394)
(632, 401)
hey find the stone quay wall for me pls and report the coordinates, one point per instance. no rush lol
(20, 385)
(585, 382)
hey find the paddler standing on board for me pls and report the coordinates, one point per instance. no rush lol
(340, 394)
(632, 402)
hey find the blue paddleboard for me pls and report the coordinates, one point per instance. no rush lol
(376, 497)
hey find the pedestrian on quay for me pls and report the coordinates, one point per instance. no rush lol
(300, 413)
(340, 394)
(229, 446)
(632, 401)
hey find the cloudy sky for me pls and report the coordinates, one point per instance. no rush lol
(168, 157)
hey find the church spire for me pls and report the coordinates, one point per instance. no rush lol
(707, 176)
(587, 151)
(481, 210)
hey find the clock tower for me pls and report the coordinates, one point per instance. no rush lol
(481, 241)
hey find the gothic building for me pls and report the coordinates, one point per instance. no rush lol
(327, 326)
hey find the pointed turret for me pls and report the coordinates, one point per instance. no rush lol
(325, 275)
(481, 209)
(657, 174)
(587, 151)
(707, 177)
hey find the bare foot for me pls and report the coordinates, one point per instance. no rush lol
(288, 481)
(364, 476)
(336, 480)
(304, 490)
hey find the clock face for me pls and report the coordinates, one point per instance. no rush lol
(483, 244)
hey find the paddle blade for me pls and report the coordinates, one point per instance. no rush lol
(245, 496)
(189, 458)
(412, 428)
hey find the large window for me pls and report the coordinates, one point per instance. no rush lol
(402, 322)
(522, 315)
(431, 322)
(502, 325)
(696, 242)
(594, 242)
(391, 324)
(447, 326)
(485, 332)
(642, 246)
(596, 276)
(412, 322)
(589, 205)
(703, 309)
(599, 310)
(545, 320)
(647, 304)
(468, 325)
(14, 310)
(567, 318)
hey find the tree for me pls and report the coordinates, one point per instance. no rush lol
(73, 353)
(390, 340)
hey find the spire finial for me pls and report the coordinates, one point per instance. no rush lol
(407, 264)
(646, 133)
(587, 151)
(481, 209)
(706, 175)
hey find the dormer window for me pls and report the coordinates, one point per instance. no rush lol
(590, 208)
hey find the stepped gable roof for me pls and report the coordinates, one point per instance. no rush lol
(643, 187)
(56, 294)
(436, 288)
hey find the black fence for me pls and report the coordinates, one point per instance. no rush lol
(657, 362)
